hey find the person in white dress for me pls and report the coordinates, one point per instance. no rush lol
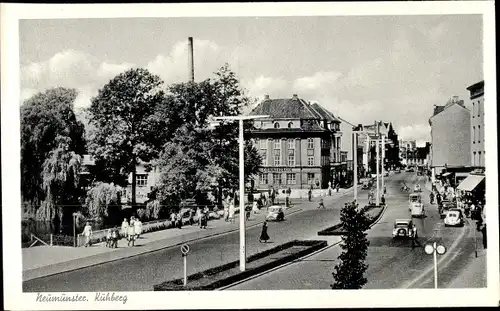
(124, 228)
(138, 228)
(131, 232)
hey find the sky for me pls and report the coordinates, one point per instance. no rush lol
(362, 68)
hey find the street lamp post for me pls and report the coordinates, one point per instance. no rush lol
(240, 119)
(383, 160)
(74, 229)
(435, 249)
(355, 168)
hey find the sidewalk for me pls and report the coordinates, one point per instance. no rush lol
(47, 260)
(474, 274)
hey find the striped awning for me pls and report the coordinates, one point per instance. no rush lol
(470, 183)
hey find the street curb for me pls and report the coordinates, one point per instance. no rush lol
(176, 284)
(133, 255)
(324, 232)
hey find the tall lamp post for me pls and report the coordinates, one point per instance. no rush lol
(357, 130)
(240, 119)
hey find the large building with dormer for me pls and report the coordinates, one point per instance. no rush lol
(298, 142)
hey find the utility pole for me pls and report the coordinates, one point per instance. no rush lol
(377, 163)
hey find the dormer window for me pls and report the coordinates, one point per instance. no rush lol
(290, 125)
(276, 125)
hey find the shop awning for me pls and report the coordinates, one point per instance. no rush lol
(446, 174)
(471, 182)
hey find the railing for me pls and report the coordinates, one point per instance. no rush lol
(38, 240)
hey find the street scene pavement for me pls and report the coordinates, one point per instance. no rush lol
(391, 264)
(302, 221)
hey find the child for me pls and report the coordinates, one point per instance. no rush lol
(108, 238)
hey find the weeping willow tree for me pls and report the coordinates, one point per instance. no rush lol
(60, 181)
(103, 202)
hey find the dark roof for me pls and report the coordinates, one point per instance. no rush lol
(286, 108)
(438, 109)
(325, 114)
(476, 86)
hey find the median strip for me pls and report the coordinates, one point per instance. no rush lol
(374, 213)
(227, 274)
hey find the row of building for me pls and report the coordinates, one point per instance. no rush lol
(458, 137)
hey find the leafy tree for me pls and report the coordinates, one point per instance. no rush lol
(196, 158)
(349, 272)
(103, 201)
(61, 176)
(125, 122)
(45, 116)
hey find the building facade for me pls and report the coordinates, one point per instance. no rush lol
(477, 152)
(296, 143)
(450, 135)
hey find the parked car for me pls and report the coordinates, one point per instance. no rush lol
(446, 205)
(397, 171)
(409, 169)
(417, 188)
(276, 213)
(454, 217)
(386, 174)
(404, 228)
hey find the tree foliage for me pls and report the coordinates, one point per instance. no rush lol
(349, 272)
(196, 157)
(126, 125)
(101, 198)
(44, 117)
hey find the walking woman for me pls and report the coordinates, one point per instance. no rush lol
(124, 228)
(264, 237)
(131, 232)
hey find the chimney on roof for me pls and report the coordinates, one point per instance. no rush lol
(266, 97)
(295, 97)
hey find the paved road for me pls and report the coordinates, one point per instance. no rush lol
(391, 264)
(141, 272)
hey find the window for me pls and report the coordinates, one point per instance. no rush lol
(141, 180)
(290, 178)
(291, 157)
(310, 178)
(334, 157)
(291, 144)
(263, 143)
(277, 144)
(473, 134)
(264, 157)
(474, 158)
(310, 143)
(473, 109)
(290, 124)
(338, 142)
(263, 178)
(277, 157)
(479, 158)
(277, 178)
(276, 125)
(478, 109)
(310, 161)
(479, 133)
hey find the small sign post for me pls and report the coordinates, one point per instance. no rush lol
(435, 249)
(185, 251)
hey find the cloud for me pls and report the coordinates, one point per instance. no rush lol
(419, 132)
(174, 67)
(71, 69)
(262, 85)
(318, 80)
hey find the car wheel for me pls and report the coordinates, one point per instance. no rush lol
(446, 225)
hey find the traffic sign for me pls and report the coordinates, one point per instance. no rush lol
(184, 249)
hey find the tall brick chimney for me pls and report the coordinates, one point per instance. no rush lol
(295, 97)
(191, 59)
(266, 97)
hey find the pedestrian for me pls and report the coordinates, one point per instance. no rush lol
(309, 194)
(172, 219)
(431, 197)
(226, 213)
(337, 187)
(321, 205)
(255, 207)
(137, 228)
(179, 220)
(382, 200)
(124, 228)
(108, 238)
(483, 231)
(131, 232)
(231, 211)
(114, 238)
(264, 237)
(87, 233)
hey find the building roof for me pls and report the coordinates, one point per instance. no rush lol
(324, 113)
(477, 85)
(286, 108)
(437, 109)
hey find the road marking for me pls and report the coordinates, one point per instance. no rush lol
(440, 261)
